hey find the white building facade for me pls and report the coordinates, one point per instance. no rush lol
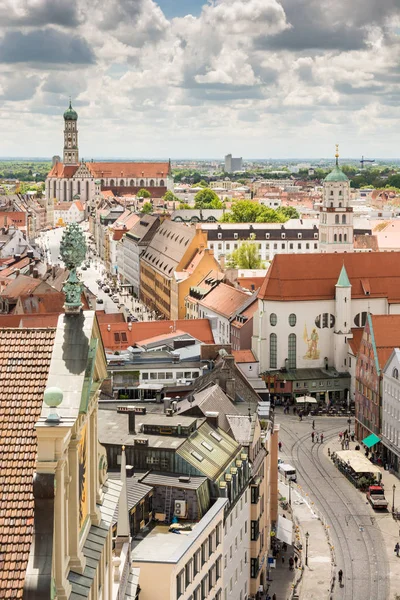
(390, 430)
(236, 569)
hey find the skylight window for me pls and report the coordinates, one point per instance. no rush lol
(216, 436)
(207, 446)
(197, 456)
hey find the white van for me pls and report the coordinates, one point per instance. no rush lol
(287, 471)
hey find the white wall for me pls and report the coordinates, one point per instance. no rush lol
(391, 404)
(236, 559)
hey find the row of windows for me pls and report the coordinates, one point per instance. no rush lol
(265, 246)
(338, 238)
(273, 351)
(273, 319)
(132, 182)
(267, 235)
(337, 219)
(170, 375)
(195, 564)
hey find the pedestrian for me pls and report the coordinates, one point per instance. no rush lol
(313, 424)
(322, 438)
(397, 549)
(283, 560)
(342, 444)
(312, 437)
(280, 446)
(340, 576)
(284, 546)
(294, 410)
(296, 560)
(274, 597)
(340, 436)
(291, 563)
(317, 437)
(347, 443)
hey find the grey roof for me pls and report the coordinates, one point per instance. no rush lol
(73, 355)
(95, 542)
(211, 399)
(305, 374)
(173, 480)
(133, 584)
(242, 428)
(113, 429)
(144, 230)
(168, 246)
(212, 214)
(136, 491)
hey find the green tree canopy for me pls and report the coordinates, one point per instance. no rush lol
(247, 256)
(289, 212)
(207, 199)
(147, 208)
(170, 197)
(143, 193)
(246, 211)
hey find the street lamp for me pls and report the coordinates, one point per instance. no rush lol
(394, 490)
(307, 536)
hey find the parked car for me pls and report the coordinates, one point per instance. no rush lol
(115, 298)
(106, 290)
(376, 497)
(100, 301)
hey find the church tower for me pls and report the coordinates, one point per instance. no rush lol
(336, 214)
(71, 152)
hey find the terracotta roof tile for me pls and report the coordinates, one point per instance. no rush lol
(314, 276)
(243, 356)
(60, 170)
(25, 356)
(354, 342)
(198, 328)
(123, 170)
(386, 335)
(224, 299)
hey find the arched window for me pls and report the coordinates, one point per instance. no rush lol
(87, 191)
(395, 373)
(331, 204)
(340, 205)
(71, 191)
(112, 182)
(102, 182)
(65, 191)
(54, 189)
(340, 237)
(141, 182)
(273, 345)
(340, 192)
(343, 218)
(336, 219)
(273, 319)
(162, 182)
(292, 320)
(335, 237)
(331, 192)
(151, 182)
(79, 187)
(360, 319)
(345, 237)
(292, 351)
(121, 183)
(132, 183)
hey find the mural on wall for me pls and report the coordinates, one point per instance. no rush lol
(312, 344)
(83, 477)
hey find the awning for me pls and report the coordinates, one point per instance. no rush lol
(150, 386)
(371, 440)
(284, 531)
(306, 400)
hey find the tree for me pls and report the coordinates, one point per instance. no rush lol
(289, 211)
(143, 193)
(247, 256)
(170, 197)
(203, 183)
(147, 208)
(246, 211)
(184, 206)
(207, 199)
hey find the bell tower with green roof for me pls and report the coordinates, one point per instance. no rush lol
(71, 151)
(336, 214)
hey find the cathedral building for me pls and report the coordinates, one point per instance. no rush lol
(75, 179)
(336, 232)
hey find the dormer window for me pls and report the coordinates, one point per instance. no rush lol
(220, 236)
(283, 235)
(299, 236)
(267, 236)
(235, 236)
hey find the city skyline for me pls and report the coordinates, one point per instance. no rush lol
(195, 79)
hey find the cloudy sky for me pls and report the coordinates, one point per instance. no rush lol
(196, 79)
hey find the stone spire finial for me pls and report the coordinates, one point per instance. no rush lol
(73, 251)
(337, 155)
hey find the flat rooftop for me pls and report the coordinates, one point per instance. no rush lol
(161, 545)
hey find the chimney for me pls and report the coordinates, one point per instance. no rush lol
(53, 271)
(212, 418)
(35, 273)
(131, 422)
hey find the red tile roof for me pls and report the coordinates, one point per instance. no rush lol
(21, 264)
(198, 328)
(314, 276)
(224, 300)
(41, 304)
(122, 170)
(244, 356)
(63, 171)
(20, 285)
(250, 283)
(386, 330)
(24, 366)
(103, 317)
(366, 242)
(355, 341)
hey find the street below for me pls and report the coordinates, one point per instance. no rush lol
(359, 546)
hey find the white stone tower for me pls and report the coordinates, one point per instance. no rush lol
(71, 151)
(342, 330)
(336, 214)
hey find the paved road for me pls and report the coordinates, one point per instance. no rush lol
(358, 542)
(49, 242)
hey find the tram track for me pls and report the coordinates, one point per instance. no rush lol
(350, 556)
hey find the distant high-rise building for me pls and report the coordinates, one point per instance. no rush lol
(233, 164)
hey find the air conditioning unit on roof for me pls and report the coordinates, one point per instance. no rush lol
(180, 509)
